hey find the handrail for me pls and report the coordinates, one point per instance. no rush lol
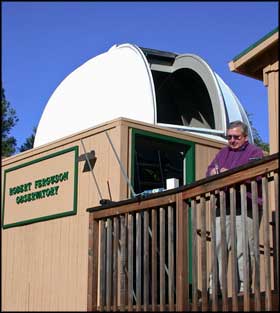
(252, 169)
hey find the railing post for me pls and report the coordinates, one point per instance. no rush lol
(203, 254)
(154, 260)
(138, 261)
(109, 260)
(245, 248)
(130, 262)
(214, 264)
(123, 263)
(268, 304)
(182, 281)
(162, 242)
(102, 265)
(171, 258)
(146, 285)
(92, 264)
(194, 255)
(233, 246)
(256, 245)
(115, 262)
(223, 236)
(276, 195)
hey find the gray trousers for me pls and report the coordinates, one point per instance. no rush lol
(239, 246)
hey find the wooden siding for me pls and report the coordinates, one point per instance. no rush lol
(45, 265)
(203, 156)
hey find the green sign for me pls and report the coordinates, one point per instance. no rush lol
(41, 189)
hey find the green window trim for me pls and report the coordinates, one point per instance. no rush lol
(189, 161)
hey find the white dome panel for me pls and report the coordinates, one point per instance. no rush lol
(111, 85)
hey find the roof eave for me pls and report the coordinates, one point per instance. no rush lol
(252, 61)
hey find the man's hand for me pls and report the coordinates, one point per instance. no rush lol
(214, 171)
(223, 169)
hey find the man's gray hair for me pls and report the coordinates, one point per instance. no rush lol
(240, 124)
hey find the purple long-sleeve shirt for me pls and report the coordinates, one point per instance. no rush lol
(229, 159)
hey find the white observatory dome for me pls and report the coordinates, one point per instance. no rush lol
(157, 87)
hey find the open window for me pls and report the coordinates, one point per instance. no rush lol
(156, 158)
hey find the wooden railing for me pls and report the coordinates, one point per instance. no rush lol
(156, 253)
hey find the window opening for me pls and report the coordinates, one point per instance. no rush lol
(157, 159)
(183, 99)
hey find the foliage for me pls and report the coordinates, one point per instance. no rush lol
(257, 138)
(259, 142)
(28, 142)
(9, 120)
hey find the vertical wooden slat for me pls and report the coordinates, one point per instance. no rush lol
(171, 258)
(90, 265)
(186, 248)
(123, 291)
(214, 272)
(256, 245)
(203, 253)
(233, 234)
(154, 259)
(268, 303)
(130, 262)
(276, 196)
(115, 263)
(182, 278)
(194, 256)
(146, 285)
(245, 248)
(93, 263)
(224, 244)
(109, 265)
(138, 261)
(102, 266)
(162, 258)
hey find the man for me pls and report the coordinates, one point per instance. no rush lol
(238, 152)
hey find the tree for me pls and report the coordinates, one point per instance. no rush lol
(9, 120)
(257, 138)
(258, 141)
(28, 142)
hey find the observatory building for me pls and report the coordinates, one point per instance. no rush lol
(121, 124)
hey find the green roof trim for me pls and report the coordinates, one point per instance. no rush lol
(255, 44)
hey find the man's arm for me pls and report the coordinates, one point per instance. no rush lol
(213, 167)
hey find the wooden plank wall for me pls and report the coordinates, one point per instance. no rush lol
(45, 264)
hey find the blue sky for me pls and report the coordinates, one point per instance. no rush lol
(43, 42)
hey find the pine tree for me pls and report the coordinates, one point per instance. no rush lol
(257, 138)
(28, 142)
(9, 120)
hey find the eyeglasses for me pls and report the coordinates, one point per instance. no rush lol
(236, 137)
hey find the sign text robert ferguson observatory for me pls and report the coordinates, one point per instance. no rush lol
(39, 183)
